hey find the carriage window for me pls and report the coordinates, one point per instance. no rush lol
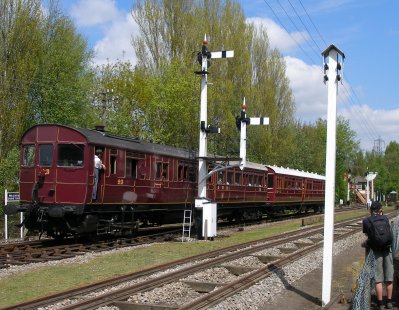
(270, 181)
(161, 170)
(70, 155)
(158, 170)
(192, 173)
(237, 180)
(131, 168)
(250, 180)
(112, 160)
(229, 177)
(182, 172)
(220, 177)
(45, 154)
(165, 171)
(28, 159)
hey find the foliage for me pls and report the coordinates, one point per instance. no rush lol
(387, 168)
(44, 72)
(257, 72)
(310, 151)
(391, 165)
(9, 168)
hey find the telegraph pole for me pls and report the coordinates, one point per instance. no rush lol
(332, 75)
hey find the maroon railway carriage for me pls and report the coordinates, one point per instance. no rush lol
(295, 190)
(143, 183)
(240, 194)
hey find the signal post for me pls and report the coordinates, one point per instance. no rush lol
(208, 208)
(242, 122)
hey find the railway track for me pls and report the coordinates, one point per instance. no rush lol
(37, 251)
(21, 253)
(124, 292)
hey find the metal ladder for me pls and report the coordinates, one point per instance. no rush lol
(186, 224)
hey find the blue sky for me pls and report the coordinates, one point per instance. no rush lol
(366, 31)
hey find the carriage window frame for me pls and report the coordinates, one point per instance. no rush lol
(28, 155)
(46, 154)
(131, 167)
(237, 178)
(182, 171)
(230, 178)
(270, 180)
(162, 171)
(70, 155)
(113, 156)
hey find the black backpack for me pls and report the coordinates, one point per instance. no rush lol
(379, 233)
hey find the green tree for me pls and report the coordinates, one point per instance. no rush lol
(257, 72)
(62, 78)
(391, 163)
(44, 73)
(9, 168)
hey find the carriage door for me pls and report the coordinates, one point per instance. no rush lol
(45, 174)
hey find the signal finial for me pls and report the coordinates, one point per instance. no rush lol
(244, 106)
(205, 42)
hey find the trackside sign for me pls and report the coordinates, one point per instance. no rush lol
(12, 197)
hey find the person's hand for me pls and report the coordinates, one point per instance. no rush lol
(364, 244)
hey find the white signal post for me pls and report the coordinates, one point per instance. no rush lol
(332, 77)
(5, 216)
(203, 57)
(244, 120)
(370, 192)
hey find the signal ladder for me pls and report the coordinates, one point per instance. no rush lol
(186, 224)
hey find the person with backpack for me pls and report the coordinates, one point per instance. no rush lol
(379, 240)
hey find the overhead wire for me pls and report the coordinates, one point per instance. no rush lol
(311, 21)
(371, 131)
(282, 25)
(299, 31)
(307, 29)
(369, 126)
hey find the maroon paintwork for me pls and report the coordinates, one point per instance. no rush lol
(142, 181)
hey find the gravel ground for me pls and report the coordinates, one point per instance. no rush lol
(260, 296)
(266, 291)
(253, 298)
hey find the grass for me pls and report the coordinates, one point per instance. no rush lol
(45, 281)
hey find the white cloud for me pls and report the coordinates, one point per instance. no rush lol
(89, 13)
(372, 124)
(112, 25)
(278, 36)
(116, 43)
(306, 82)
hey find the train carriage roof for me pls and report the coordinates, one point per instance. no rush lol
(107, 139)
(282, 170)
(121, 142)
(250, 165)
(296, 173)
